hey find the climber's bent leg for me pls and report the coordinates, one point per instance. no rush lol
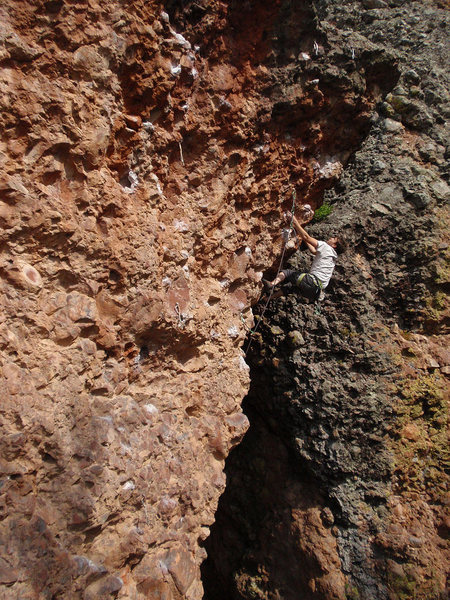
(278, 279)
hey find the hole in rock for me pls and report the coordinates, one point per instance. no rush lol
(101, 391)
(53, 6)
(134, 559)
(91, 533)
(124, 180)
(112, 210)
(114, 275)
(89, 332)
(65, 342)
(48, 458)
(234, 159)
(51, 177)
(193, 411)
(67, 279)
(144, 353)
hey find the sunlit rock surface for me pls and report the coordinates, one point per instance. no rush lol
(148, 152)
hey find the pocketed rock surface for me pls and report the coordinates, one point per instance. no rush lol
(340, 488)
(147, 155)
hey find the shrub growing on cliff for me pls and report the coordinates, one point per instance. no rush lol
(322, 212)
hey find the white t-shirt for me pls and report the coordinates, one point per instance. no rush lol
(324, 262)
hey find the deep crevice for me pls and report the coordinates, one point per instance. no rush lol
(254, 550)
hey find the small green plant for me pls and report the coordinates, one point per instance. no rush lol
(322, 212)
(351, 592)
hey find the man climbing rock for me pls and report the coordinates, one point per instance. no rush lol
(311, 284)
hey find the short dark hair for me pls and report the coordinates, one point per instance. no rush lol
(341, 245)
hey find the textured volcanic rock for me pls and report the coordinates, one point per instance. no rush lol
(352, 396)
(148, 151)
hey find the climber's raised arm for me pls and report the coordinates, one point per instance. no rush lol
(304, 235)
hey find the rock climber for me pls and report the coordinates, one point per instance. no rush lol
(310, 285)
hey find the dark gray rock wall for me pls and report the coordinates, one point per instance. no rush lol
(354, 390)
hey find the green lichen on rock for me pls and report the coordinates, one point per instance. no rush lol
(422, 450)
(351, 593)
(400, 103)
(426, 390)
(403, 586)
(408, 587)
(435, 304)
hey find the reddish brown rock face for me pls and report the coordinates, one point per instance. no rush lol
(143, 185)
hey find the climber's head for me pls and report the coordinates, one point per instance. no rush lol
(338, 243)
